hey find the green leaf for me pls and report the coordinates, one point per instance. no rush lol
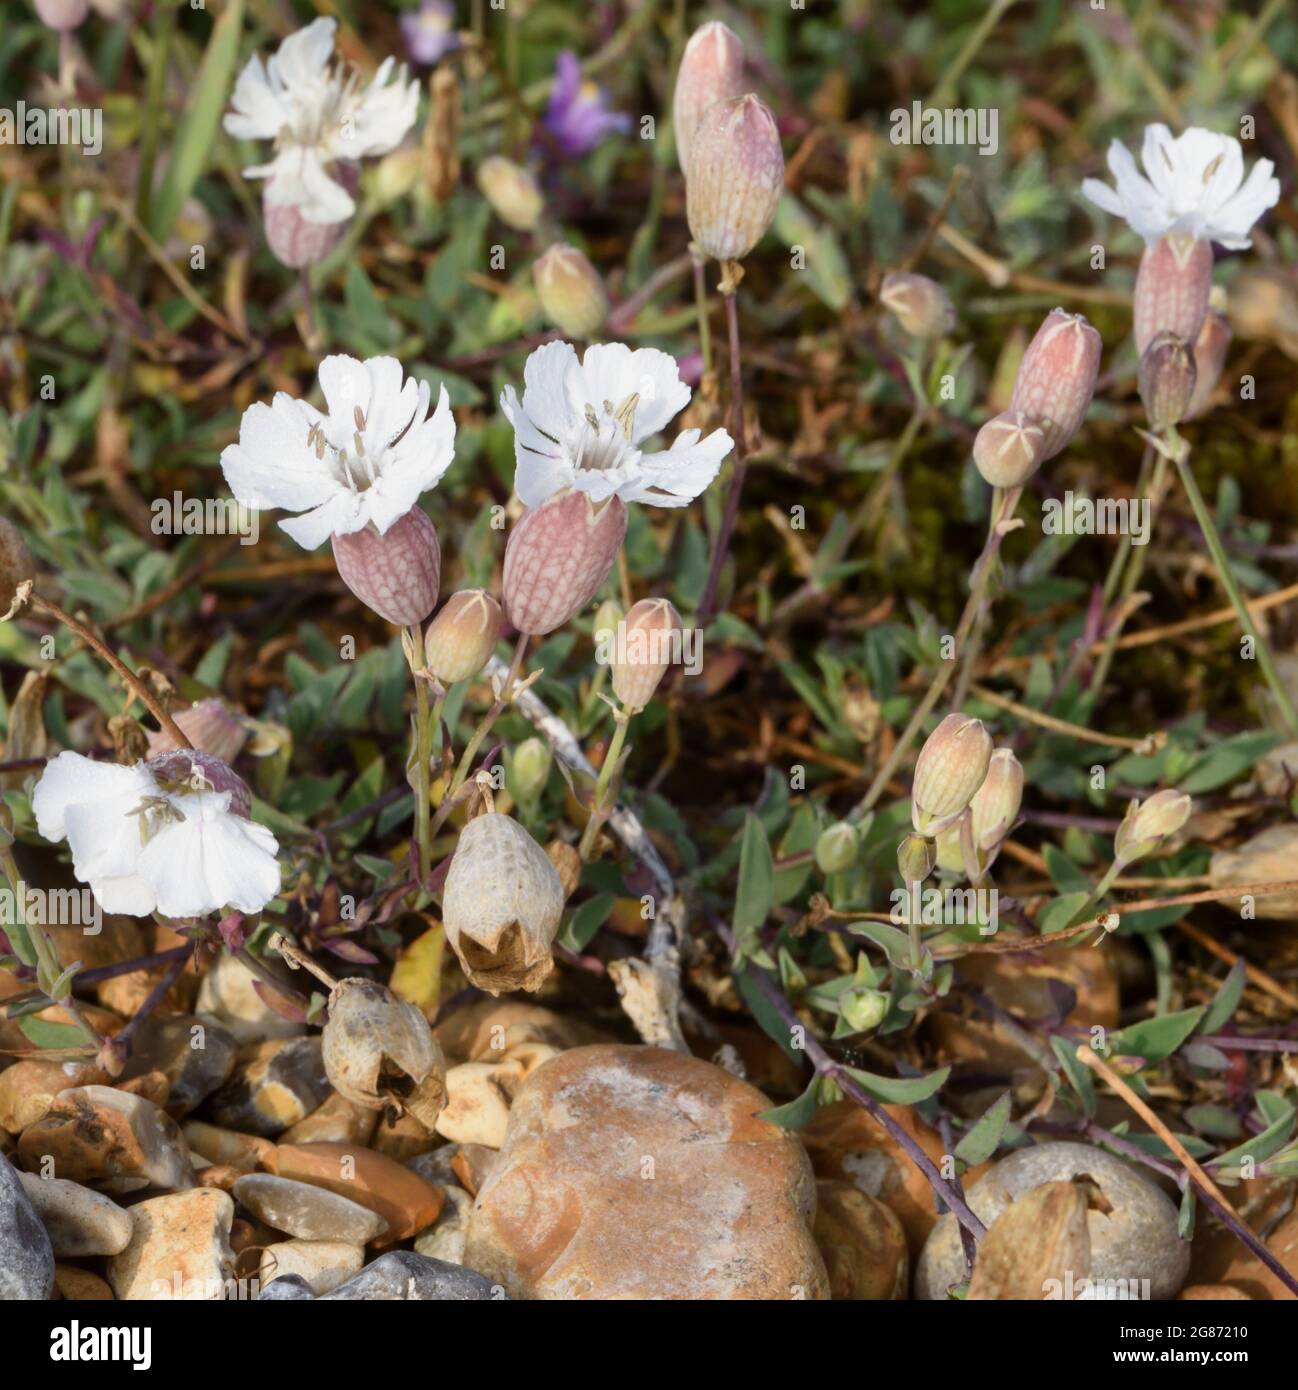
(51, 1035)
(585, 921)
(1080, 1077)
(1065, 875)
(1258, 1146)
(1156, 1038)
(756, 890)
(898, 1090)
(984, 1138)
(199, 128)
(1226, 1000)
(1059, 913)
(766, 1016)
(798, 1112)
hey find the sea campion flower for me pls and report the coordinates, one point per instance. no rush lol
(429, 32)
(209, 726)
(1193, 193)
(735, 177)
(711, 70)
(1056, 378)
(1148, 823)
(356, 472)
(461, 638)
(321, 120)
(578, 116)
(650, 633)
(1009, 448)
(170, 835)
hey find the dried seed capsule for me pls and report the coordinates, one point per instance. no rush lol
(461, 638)
(1172, 288)
(557, 557)
(379, 1052)
(950, 769)
(1148, 823)
(836, 849)
(711, 70)
(209, 726)
(1166, 377)
(920, 305)
(512, 193)
(571, 292)
(1056, 378)
(17, 569)
(1009, 448)
(735, 177)
(1209, 360)
(397, 574)
(647, 643)
(501, 905)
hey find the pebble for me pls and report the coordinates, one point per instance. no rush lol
(80, 1285)
(196, 1056)
(78, 1220)
(484, 1031)
(308, 1212)
(227, 1146)
(109, 1140)
(180, 1249)
(634, 1172)
(337, 1121)
(435, 1165)
(402, 1275)
(444, 1239)
(285, 1289)
(479, 1094)
(402, 1198)
(323, 1264)
(26, 1258)
(402, 1137)
(862, 1243)
(472, 1166)
(28, 1088)
(152, 1085)
(227, 994)
(274, 1085)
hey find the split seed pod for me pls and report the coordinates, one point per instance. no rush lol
(380, 1053)
(1009, 448)
(649, 634)
(1172, 289)
(557, 556)
(501, 905)
(735, 177)
(398, 573)
(950, 769)
(711, 70)
(461, 638)
(1056, 378)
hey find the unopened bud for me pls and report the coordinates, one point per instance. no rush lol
(920, 305)
(1172, 287)
(1148, 823)
(1209, 360)
(557, 556)
(916, 856)
(863, 1009)
(461, 638)
(1166, 377)
(735, 177)
(711, 70)
(995, 805)
(1056, 378)
(62, 15)
(512, 192)
(396, 174)
(1009, 448)
(529, 769)
(647, 643)
(209, 726)
(837, 849)
(397, 574)
(950, 769)
(567, 864)
(608, 617)
(571, 292)
(17, 570)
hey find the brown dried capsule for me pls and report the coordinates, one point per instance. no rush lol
(461, 638)
(380, 1053)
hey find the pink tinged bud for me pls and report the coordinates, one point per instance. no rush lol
(210, 727)
(1209, 361)
(647, 643)
(711, 70)
(571, 292)
(295, 242)
(920, 305)
(200, 771)
(62, 15)
(557, 557)
(512, 193)
(995, 805)
(1008, 449)
(396, 574)
(1172, 288)
(735, 177)
(462, 637)
(1056, 378)
(950, 769)
(1166, 377)
(1148, 823)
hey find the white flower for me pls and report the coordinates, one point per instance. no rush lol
(580, 424)
(147, 840)
(1195, 187)
(364, 462)
(316, 116)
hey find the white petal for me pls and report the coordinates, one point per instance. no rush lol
(343, 513)
(384, 116)
(106, 843)
(211, 860)
(394, 401)
(677, 477)
(128, 894)
(612, 372)
(546, 399)
(70, 780)
(413, 466)
(541, 467)
(301, 60)
(258, 112)
(272, 465)
(347, 386)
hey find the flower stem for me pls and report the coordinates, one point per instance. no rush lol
(701, 307)
(597, 811)
(423, 753)
(133, 682)
(1218, 551)
(731, 514)
(1083, 913)
(466, 761)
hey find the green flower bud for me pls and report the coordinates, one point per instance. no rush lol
(863, 1009)
(915, 858)
(571, 292)
(512, 192)
(836, 849)
(1148, 823)
(529, 769)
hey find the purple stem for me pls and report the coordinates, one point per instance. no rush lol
(708, 602)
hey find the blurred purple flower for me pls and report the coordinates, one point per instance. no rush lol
(578, 116)
(429, 32)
